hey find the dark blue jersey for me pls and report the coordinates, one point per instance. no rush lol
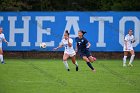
(81, 43)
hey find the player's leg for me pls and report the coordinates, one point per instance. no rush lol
(88, 63)
(132, 57)
(73, 59)
(92, 59)
(1, 56)
(89, 56)
(124, 58)
(65, 57)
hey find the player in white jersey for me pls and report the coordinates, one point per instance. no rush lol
(69, 51)
(128, 47)
(2, 38)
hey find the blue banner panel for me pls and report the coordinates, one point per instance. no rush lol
(25, 31)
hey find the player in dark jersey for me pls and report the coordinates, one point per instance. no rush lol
(82, 48)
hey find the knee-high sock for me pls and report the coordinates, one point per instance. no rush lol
(89, 64)
(1, 58)
(131, 59)
(66, 64)
(124, 59)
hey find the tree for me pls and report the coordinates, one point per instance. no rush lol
(69, 5)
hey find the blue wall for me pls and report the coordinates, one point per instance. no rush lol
(105, 30)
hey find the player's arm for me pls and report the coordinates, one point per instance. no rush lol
(58, 47)
(88, 45)
(133, 41)
(125, 43)
(5, 41)
(69, 43)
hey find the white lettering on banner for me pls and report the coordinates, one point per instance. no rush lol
(1, 19)
(41, 31)
(71, 24)
(72, 21)
(101, 20)
(24, 30)
(136, 29)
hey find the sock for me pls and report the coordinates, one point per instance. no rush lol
(131, 59)
(76, 63)
(124, 59)
(88, 63)
(1, 58)
(66, 64)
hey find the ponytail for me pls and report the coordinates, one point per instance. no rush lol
(84, 32)
(67, 32)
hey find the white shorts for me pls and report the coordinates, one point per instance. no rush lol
(70, 54)
(128, 48)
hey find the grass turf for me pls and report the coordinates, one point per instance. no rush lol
(50, 76)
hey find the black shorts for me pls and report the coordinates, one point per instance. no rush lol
(84, 53)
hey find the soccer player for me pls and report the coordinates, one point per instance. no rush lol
(69, 51)
(2, 38)
(82, 48)
(128, 41)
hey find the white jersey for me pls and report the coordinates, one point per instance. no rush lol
(68, 50)
(1, 39)
(129, 39)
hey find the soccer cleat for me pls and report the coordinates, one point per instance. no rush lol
(76, 68)
(2, 62)
(94, 70)
(124, 65)
(68, 69)
(130, 65)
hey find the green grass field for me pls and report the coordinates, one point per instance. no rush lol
(50, 76)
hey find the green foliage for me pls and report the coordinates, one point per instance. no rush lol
(69, 5)
(13, 5)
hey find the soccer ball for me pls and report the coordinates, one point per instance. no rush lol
(43, 45)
